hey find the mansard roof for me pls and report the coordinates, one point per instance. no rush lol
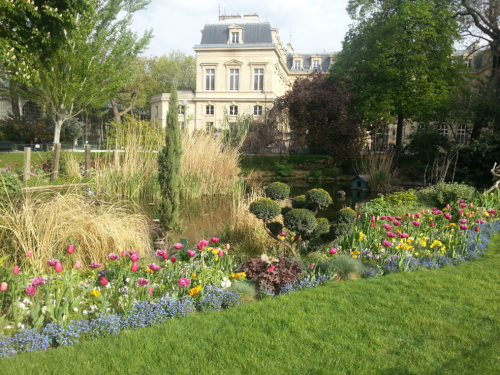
(253, 33)
(307, 61)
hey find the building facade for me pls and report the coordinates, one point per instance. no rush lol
(242, 67)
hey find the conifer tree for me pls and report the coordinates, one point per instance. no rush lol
(169, 169)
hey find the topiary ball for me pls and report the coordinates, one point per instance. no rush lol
(299, 201)
(300, 220)
(277, 191)
(346, 215)
(265, 209)
(340, 230)
(319, 198)
(10, 188)
(275, 227)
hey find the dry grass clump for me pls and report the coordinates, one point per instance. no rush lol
(381, 169)
(46, 226)
(208, 166)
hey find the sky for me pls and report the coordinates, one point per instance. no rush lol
(315, 25)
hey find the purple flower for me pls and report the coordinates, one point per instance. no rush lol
(39, 280)
(31, 290)
(95, 265)
(52, 262)
(142, 282)
(113, 256)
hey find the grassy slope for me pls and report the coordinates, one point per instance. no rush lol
(429, 322)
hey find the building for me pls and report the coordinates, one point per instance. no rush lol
(242, 67)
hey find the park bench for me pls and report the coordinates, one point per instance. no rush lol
(5, 146)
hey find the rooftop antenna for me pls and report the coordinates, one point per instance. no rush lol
(290, 37)
(224, 6)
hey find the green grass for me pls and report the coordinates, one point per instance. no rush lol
(443, 321)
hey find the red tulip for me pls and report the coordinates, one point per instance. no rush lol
(3, 286)
(104, 281)
(59, 267)
(135, 267)
(29, 254)
(165, 256)
(173, 259)
(476, 228)
(16, 270)
(71, 249)
(432, 224)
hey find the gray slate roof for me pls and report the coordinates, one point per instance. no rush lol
(307, 61)
(364, 177)
(253, 33)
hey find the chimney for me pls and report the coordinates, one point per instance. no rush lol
(229, 17)
(254, 16)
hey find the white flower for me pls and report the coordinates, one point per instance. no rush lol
(22, 305)
(8, 327)
(44, 309)
(225, 283)
(127, 280)
(85, 312)
(20, 325)
(75, 309)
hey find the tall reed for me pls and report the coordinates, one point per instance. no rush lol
(135, 176)
(46, 225)
(381, 170)
(209, 167)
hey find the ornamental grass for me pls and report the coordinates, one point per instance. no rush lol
(46, 225)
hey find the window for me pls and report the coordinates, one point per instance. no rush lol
(235, 37)
(209, 110)
(257, 110)
(296, 64)
(209, 125)
(180, 109)
(233, 110)
(258, 79)
(315, 64)
(210, 79)
(234, 79)
(462, 134)
(443, 130)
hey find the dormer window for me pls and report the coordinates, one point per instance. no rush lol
(315, 64)
(235, 34)
(298, 62)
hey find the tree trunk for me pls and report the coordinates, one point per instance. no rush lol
(57, 130)
(14, 100)
(399, 132)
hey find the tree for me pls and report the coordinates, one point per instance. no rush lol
(169, 169)
(96, 61)
(480, 19)
(397, 59)
(320, 113)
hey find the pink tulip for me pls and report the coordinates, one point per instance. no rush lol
(403, 235)
(463, 205)
(104, 281)
(95, 265)
(432, 224)
(173, 259)
(447, 216)
(387, 227)
(461, 201)
(390, 234)
(150, 290)
(135, 267)
(471, 205)
(221, 253)
(417, 215)
(204, 243)
(52, 262)
(416, 223)
(178, 246)
(386, 243)
(383, 217)
(31, 290)
(461, 211)
(124, 253)
(15, 271)
(464, 227)
(142, 282)
(214, 239)
(153, 266)
(113, 256)
(228, 246)
(71, 249)
(59, 267)
(183, 282)
(191, 253)
(447, 206)
(311, 266)
(78, 265)
(165, 256)
(373, 218)
(38, 280)
(134, 257)
(29, 254)
(396, 223)
(399, 218)
(159, 253)
(390, 218)
(333, 251)
(3, 286)
(359, 217)
(463, 221)
(199, 246)
(271, 269)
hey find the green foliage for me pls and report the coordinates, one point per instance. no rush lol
(315, 244)
(265, 209)
(377, 207)
(346, 215)
(10, 188)
(169, 169)
(244, 288)
(284, 170)
(318, 198)
(234, 131)
(284, 210)
(443, 193)
(338, 230)
(299, 201)
(406, 198)
(322, 226)
(284, 271)
(277, 191)
(424, 147)
(343, 267)
(300, 221)
(71, 130)
(275, 227)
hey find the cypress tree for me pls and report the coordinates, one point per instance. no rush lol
(169, 169)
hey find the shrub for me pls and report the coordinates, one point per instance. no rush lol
(338, 230)
(275, 227)
(343, 267)
(322, 226)
(277, 191)
(285, 210)
(315, 244)
(407, 198)
(272, 275)
(319, 198)
(68, 166)
(346, 215)
(300, 220)
(265, 209)
(299, 201)
(378, 207)
(244, 288)
(10, 188)
(444, 193)
(284, 170)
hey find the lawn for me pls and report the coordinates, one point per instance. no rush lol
(443, 321)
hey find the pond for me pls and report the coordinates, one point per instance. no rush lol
(205, 217)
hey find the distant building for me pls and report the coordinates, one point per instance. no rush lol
(242, 67)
